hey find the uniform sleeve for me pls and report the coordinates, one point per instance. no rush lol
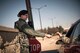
(25, 28)
(17, 26)
(34, 33)
(28, 30)
(65, 39)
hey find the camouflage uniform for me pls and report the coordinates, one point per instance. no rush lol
(24, 27)
(65, 39)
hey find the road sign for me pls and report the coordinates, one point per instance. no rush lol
(35, 46)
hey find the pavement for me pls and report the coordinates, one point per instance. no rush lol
(48, 45)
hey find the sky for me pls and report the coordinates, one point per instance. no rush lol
(62, 12)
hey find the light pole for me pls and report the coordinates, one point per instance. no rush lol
(40, 14)
(52, 21)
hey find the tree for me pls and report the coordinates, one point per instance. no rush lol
(61, 29)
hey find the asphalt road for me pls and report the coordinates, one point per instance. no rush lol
(50, 51)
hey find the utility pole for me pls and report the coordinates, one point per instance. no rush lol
(28, 7)
(52, 22)
(40, 18)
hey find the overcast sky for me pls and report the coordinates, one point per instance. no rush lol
(63, 12)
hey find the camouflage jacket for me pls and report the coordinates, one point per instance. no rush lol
(24, 27)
